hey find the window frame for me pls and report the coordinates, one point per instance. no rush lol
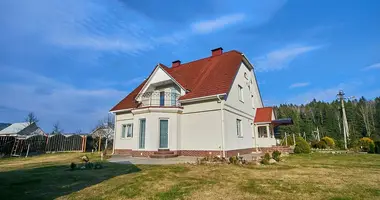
(240, 93)
(239, 128)
(127, 134)
(265, 131)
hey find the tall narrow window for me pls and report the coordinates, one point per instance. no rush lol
(239, 128)
(142, 134)
(240, 93)
(173, 95)
(129, 130)
(162, 98)
(123, 127)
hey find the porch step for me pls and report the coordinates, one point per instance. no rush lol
(163, 155)
(163, 152)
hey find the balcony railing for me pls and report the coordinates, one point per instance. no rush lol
(163, 99)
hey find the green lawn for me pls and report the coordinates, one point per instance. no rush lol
(314, 176)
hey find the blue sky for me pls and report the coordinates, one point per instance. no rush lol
(71, 61)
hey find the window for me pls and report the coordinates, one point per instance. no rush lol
(239, 128)
(162, 98)
(142, 134)
(262, 132)
(123, 127)
(240, 92)
(127, 129)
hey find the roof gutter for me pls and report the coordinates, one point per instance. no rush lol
(122, 110)
(215, 96)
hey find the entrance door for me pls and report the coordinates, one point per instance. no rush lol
(163, 134)
(142, 134)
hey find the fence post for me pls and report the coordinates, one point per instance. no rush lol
(27, 151)
(286, 140)
(294, 140)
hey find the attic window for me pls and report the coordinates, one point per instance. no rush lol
(246, 75)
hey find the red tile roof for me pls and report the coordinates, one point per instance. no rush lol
(208, 76)
(264, 114)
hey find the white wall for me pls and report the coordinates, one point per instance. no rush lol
(232, 141)
(151, 130)
(201, 126)
(123, 143)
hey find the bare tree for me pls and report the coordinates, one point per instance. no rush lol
(365, 110)
(57, 128)
(31, 118)
(105, 129)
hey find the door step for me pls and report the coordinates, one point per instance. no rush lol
(163, 153)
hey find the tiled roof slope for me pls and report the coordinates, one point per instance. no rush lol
(208, 76)
(264, 114)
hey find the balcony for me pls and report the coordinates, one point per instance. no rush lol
(160, 99)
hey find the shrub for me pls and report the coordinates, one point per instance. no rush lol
(371, 148)
(301, 146)
(265, 159)
(289, 141)
(365, 144)
(377, 147)
(276, 155)
(73, 166)
(329, 142)
(234, 159)
(319, 144)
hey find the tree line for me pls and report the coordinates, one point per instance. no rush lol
(363, 118)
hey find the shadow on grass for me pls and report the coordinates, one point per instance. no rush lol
(54, 181)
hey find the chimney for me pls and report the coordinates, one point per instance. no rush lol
(217, 51)
(176, 63)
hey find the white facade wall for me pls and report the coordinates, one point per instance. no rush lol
(152, 134)
(201, 126)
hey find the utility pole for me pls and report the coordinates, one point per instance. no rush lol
(346, 133)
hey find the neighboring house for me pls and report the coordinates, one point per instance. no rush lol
(22, 129)
(210, 106)
(4, 125)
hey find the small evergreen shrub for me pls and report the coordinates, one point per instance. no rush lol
(276, 155)
(301, 146)
(265, 159)
(377, 147)
(73, 166)
(365, 144)
(329, 142)
(234, 159)
(371, 148)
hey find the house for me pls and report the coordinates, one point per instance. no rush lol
(22, 129)
(211, 106)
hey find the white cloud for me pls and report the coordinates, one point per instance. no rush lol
(326, 94)
(374, 66)
(51, 100)
(281, 58)
(207, 26)
(297, 85)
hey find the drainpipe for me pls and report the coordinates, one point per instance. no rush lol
(114, 136)
(222, 117)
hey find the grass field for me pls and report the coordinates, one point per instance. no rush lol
(314, 176)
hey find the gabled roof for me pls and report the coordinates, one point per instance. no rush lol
(264, 115)
(14, 128)
(205, 77)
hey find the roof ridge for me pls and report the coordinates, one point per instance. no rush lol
(205, 58)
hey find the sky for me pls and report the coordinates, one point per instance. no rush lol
(71, 61)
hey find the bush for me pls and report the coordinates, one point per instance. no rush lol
(73, 166)
(377, 147)
(301, 146)
(371, 148)
(265, 159)
(234, 159)
(276, 155)
(319, 144)
(329, 142)
(365, 144)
